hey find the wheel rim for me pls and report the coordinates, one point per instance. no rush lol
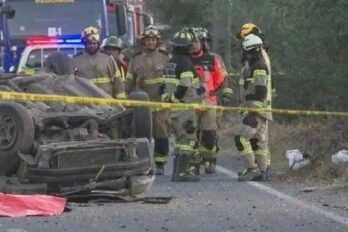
(8, 132)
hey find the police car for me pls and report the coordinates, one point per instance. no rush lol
(38, 49)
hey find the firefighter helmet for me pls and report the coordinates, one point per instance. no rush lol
(182, 39)
(112, 42)
(248, 28)
(90, 34)
(151, 31)
(251, 41)
(201, 33)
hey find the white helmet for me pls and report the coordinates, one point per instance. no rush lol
(251, 41)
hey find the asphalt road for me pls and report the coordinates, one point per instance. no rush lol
(217, 203)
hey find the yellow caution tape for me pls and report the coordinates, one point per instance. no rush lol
(15, 96)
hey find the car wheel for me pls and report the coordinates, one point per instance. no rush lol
(142, 117)
(16, 134)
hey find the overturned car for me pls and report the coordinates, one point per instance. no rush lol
(69, 149)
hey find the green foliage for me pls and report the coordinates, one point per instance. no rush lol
(180, 13)
(307, 42)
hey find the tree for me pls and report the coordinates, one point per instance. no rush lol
(306, 39)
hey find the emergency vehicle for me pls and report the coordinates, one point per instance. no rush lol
(39, 27)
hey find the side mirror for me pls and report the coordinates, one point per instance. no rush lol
(8, 11)
(147, 20)
(121, 18)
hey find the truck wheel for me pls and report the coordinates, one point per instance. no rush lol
(142, 117)
(16, 134)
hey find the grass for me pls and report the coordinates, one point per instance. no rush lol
(320, 139)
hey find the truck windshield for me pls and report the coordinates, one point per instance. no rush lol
(54, 17)
(128, 38)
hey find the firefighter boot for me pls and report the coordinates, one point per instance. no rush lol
(262, 163)
(209, 165)
(195, 164)
(250, 174)
(181, 169)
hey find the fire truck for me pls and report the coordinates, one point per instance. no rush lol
(32, 29)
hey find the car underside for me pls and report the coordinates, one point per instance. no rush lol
(69, 149)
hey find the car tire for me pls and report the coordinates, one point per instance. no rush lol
(142, 117)
(16, 134)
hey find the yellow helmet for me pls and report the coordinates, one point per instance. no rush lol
(91, 34)
(247, 29)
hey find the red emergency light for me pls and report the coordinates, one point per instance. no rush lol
(43, 40)
(46, 40)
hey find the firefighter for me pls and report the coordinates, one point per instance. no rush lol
(211, 72)
(97, 66)
(146, 74)
(252, 136)
(182, 85)
(113, 47)
(245, 30)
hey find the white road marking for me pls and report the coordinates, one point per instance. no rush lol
(288, 198)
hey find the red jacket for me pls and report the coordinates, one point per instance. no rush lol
(210, 70)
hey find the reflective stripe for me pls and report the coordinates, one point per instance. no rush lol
(158, 80)
(100, 80)
(241, 81)
(159, 158)
(260, 72)
(121, 95)
(252, 80)
(204, 149)
(263, 152)
(187, 74)
(195, 81)
(123, 76)
(233, 74)
(129, 76)
(255, 104)
(227, 91)
(184, 147)
(247, 149)
(207, 153)
(117, 74)
(187, 79)
(174, 81)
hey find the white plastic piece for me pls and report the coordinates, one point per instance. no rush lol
(340, 157)
(296, 160)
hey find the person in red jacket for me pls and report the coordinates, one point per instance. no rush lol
(211, 71)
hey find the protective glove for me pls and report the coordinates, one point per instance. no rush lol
(200, 91)
(250, 120)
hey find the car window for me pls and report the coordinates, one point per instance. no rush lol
(70, 51)
(37, 57)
